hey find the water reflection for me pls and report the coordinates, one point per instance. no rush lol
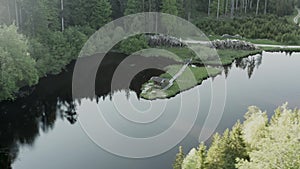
(23, 120)
(248, 63)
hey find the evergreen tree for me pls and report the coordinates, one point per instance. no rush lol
(226, 149)
(40, 16)
(170, 7)
(179, 159)
(273, 144)
(180, 8)
(191, 160)
(100, 13)
(202, 154)
(133, 6)
(217, 151)
(280, 146)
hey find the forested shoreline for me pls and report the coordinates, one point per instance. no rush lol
(42, 37)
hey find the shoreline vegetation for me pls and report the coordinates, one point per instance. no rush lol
(38, 42)
(179, 54)
(197, 70)
(201, 67)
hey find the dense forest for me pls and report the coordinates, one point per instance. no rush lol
(257, 143)
(43, 36)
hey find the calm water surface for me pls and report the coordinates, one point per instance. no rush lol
(42, 131)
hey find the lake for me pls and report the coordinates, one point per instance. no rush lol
(44, 131)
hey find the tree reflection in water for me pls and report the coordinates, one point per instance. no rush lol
(22, 120)
(248, 63)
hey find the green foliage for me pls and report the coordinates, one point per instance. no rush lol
(133, 6)
(169, 7)
(214, 7)
(225, 149)
(100, 13)
(40, 21)
(255, 144)
(17, 66)
(57, 45)
(196, 158)
(264, 27)
(253, 129)
(41, 17)
(94, 13)
(180, 8)
(179, 159)
(76, 39)
(57, 50)
(191, 160)
(279, 145)
(133, 44)
(41, 54)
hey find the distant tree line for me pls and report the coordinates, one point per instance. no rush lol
(270, 27)
(95, 13)
(245, 7)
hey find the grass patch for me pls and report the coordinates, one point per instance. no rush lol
(188, 79)
(177, 54)
(227, 56)
(264, 41)
(276, 49)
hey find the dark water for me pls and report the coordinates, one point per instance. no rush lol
(42, 131)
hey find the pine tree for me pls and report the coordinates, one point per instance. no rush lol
(226, 149)
(180, 8)
(133, 6)
(170, 7)
(40, 16)
(280, 147)
(202, 154)
(100, 13)
(179, 159)
(216, 153)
